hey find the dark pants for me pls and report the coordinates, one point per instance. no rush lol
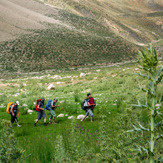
(41, 114)
(14, 118)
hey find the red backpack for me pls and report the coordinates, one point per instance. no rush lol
(37, 105)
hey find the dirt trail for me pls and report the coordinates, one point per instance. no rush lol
(19, 16)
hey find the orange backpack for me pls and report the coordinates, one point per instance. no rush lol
(8, 107)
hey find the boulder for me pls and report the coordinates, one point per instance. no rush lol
(56, 77)
(136, 69)
(51, 87)
(82, 75)
(58, 82)
(80, 116)
(71, 117)
(2, 106)
(30, 111)
(158, 105)
(60, 115)
(86, 91)
(24, 105)
(114, 75)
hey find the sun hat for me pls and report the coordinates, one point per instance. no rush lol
(17, 102)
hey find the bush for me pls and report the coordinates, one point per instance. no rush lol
(9, 152)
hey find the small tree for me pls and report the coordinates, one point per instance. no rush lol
(148, 61)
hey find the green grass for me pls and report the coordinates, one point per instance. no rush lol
(115, 89)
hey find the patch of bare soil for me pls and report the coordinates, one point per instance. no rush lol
(20, 16)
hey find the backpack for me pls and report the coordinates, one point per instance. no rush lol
(84, 104)
(8, 107)
(37, 105)
(48, 104)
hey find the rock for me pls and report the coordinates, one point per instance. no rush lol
(2, 106)
(80, 116)
(95, 78)
(30, 111)
(51, 87)
(136, 69)
(86, 91)
(58, 82)
(98, 70)
(68, 77)
(56, 77)
(82, 75)
(24, 84)
(158, 105)
(24, 105)
(17, 94)
(114, 76)
(60, 115)
(71, 117)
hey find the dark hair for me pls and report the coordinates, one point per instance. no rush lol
(56, 99)
(88, 94)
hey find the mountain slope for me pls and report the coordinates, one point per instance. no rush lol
(44, 35)
(138, 21)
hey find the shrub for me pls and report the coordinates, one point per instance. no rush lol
(9, 152)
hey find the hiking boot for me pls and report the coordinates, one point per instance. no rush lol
(18, 125)
(34, 124)
(45, 124)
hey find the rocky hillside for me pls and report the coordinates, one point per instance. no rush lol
(41, 35)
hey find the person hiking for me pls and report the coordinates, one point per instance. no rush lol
(51, 105)
(89, 107)
(40, 109)
(14, 111)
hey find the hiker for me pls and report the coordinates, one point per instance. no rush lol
(89, 106)
(14, 111)
(51, 105)
(40, 109)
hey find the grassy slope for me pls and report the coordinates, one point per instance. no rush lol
(87, 43)
(97, 32)
(136, 21)
(114, 89)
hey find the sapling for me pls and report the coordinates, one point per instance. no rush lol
(149, 63)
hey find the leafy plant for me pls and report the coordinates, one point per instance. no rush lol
(148, 61)
(9, 152)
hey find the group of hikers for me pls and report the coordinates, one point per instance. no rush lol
(12, 108)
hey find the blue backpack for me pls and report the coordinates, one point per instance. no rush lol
(48, 104)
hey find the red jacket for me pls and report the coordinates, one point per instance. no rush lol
(92, 101)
